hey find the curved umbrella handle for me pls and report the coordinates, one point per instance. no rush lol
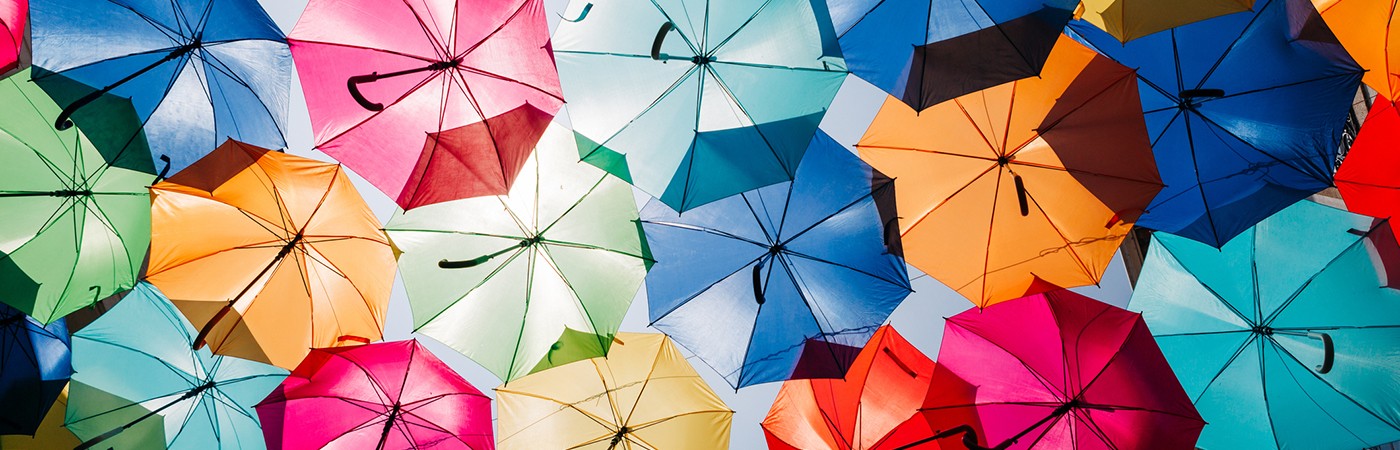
(586, 8)
(1201, 93)
(1021, 196)
(469, 263)
(758, 281)
(1329, 351)
(900, 363)
(353, 85)
(65, 118)
(163, 171)
(660, 37)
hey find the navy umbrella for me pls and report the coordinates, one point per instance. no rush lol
(34, 367)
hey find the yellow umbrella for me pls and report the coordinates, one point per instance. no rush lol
(1132, 19)
(644, 395)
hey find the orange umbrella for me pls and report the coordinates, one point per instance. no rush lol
(1029, 185)
(269, 254)
(1364, 28)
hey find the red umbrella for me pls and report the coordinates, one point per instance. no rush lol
(1369, 178)
(387, 395)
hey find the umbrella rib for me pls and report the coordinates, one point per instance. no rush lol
(1068, 245)
(980, 133)
(684, 414)
(566, 406)
(853, 269)
(553, 265)
(724, 87)
(1040, 378)
(756, 219)
(150, 20)
(498, 269)
(720, 233)
(921, 150)
(645, 382)
(529, 289)
(1276, 347)
(859, 200)
(376, 114)
(703, 290)
(1214, 126)
(739, 28)
(654, 103)
(1084, 172)
(813, 308)
(940, 204)
(570, 209)
(1094, 428)
(497, 76)
(361, 47)
(593, 247)
(684, 38)
(1239, 351)
(775, 66)
(1207, 287)
(1041, 131)
(593, 53)
(1233, 43)
(222, 67)
(1357, 243)
(498, 29)
(423, 26)
(1200, 185)
(991, 234)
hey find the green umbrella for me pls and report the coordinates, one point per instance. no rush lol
(530, 280)
(75, 229)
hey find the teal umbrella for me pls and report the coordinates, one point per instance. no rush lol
(1285, 337)
(135, 367)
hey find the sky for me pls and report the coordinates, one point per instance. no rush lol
(919, 319)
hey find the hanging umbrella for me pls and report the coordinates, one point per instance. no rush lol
(926, 52)
(1284, 338)
(1060, 370)
(50, 434)
(1367, 178)
(643, 395)
(198, 72)
(269, 255)
(875, 407)
(1245, 112)
(428, 113)
(1132, 19)
(75, 229)
(34, 367)
(14, 17)
(788, 281)
(1031, 184)
(136, 361)
(1363, 27)
(388, 395)
(696, 101)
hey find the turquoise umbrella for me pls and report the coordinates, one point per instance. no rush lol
(1285, 337)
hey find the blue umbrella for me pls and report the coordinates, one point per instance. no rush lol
(198, 72)
(1285, 337)
(925, 52)
(34, 367)
(785, 281)
(1245, 112)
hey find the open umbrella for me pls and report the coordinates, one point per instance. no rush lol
(529, 280)
(389, 395)
(700, 100)
(269, 255)
(1367, 179)
(875, 407)
(34, 368)
(430, 100)
(50, 434)
(1031, 184)
(643, 395)
(1364, 28)
(198, 72)
(136, 361)
(926, 52)
(14, 17)
(1245, 112)
(1284, 337)
(75, 229)
(1132, 19)
(1060, 370)
(787, 281)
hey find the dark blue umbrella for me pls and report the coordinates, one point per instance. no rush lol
(198, 72)
(787, 281)
(926, 52)
(1245, 112)
(34, 367)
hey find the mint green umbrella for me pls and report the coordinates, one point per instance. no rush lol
(530, 280)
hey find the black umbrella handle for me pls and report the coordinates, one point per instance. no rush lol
(1021, 196)
(660, 38)
(969, 438)
(353, 83)
(1329, 351)
(469, 263)
(115, 431)
(758, 281)
(65, 118)
(164, 170)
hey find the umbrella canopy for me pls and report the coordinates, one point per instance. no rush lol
(1132, 19)
(1367, 178)
(134, 367)
(1060, 370)
(875, 407)
(1032, 184)
(926, 52)
(75, 229)
(388, 395)
(1245, 112)
(700, 100)
(643, 395)
(428, 113)
(34, 368)
(198, 72)
(50, 434)
(14, 17)
(270, 255)
(1364, 28)
(788, 281)
(530, 280)
(1284, 338)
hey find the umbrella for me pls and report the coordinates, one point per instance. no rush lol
(1132, 19)
(269, 255)
(875, 407)
(14, 17)
(198, 72)
(136, 379)
(1245, 112)
(75, 229)
(34, 367)
(428, 113)
(1060, 370)
(1031, 184)
(700, 100)
(529, 280)
(788, 281)
(50, 434)
(1367, 178)
(387, 395)
(1284, 337)
(1363, 27)
(926, 52)
(644, 395)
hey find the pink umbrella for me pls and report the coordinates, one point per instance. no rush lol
(387, 395)
(1060, 370)
(429, 100)
(13, 14)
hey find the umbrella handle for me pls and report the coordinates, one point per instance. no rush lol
(1021, 196)
(353, 85)
(64, 120)
(1329, 351)
(758, 281)
(660, 37)
(469, 263)
(586, 8)
(163, 171)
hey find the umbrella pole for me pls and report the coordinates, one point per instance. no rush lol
(115, 431)
(388, 426)
(64, 122)
(969, 439)
(204, 331)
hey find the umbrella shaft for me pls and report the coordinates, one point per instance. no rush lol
(63, 121)
(199, 340)
(388, 426)
(116, 431)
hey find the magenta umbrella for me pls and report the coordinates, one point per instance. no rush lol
(429, 100)
(1061, 370)
(387, 395)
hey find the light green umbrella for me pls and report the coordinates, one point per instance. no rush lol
(530, 280)
(75, 229)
